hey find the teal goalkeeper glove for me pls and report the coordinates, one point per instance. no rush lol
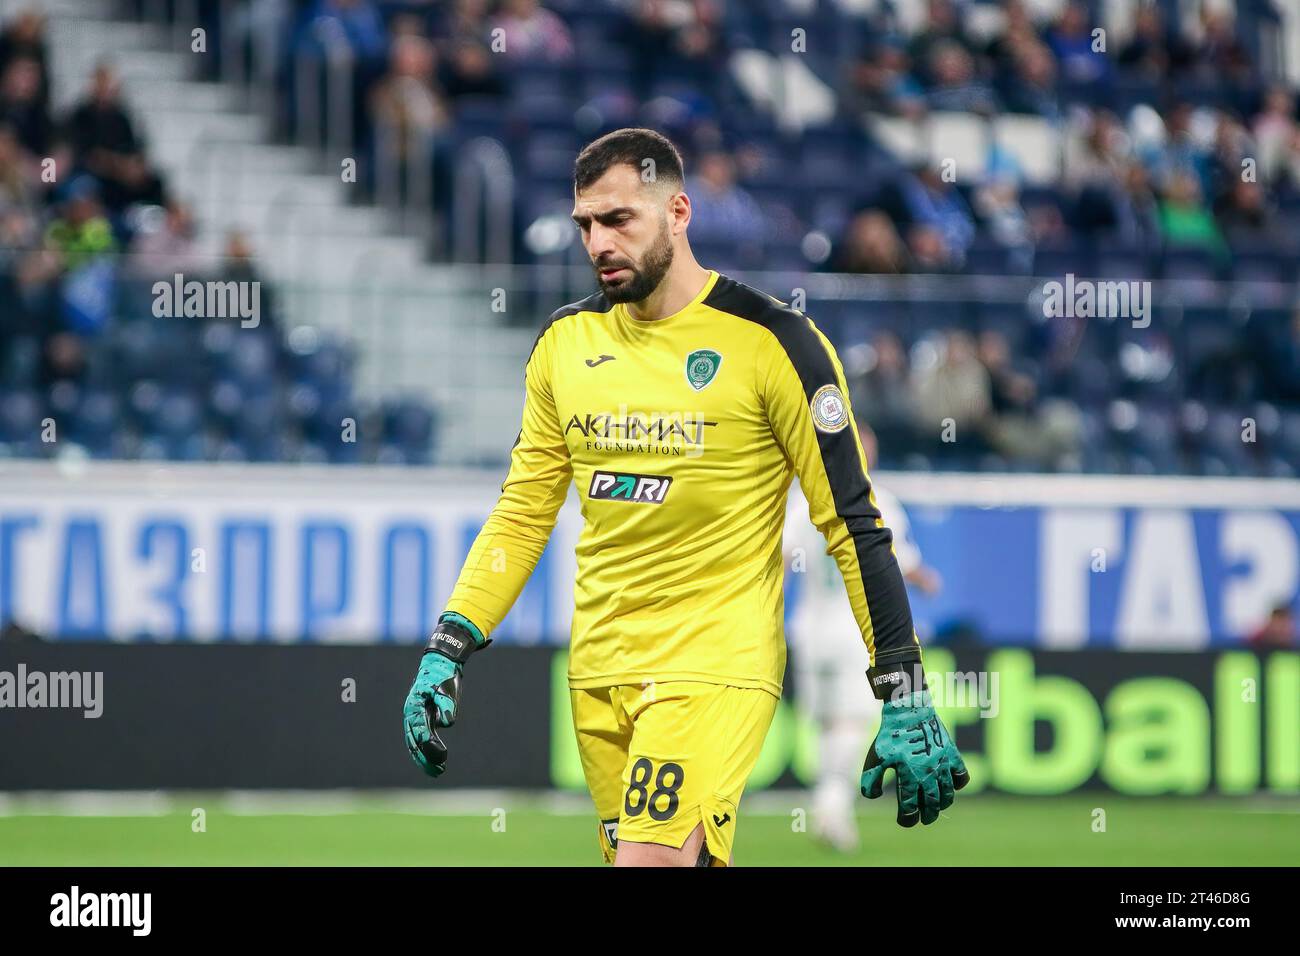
(435, 693)
(914, 743)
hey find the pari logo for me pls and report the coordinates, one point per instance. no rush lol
(613, 486)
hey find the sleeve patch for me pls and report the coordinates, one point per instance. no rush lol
(829, 410)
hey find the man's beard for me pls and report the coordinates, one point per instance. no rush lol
(644, 280)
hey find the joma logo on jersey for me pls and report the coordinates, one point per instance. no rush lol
(612, 486)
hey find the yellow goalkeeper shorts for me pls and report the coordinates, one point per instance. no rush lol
(661, 759)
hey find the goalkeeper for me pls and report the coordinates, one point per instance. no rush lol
(681, 404)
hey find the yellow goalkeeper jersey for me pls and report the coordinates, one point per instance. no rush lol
(682, 436)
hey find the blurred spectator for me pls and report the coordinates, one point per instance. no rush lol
(1278, 632)
(18, 233)
(721, 210)
(954, 86)
(461, 21)
(356, 23)
(1030, 86)
(23, 107)
(238, 264)
(105, 144)
(24, 37)
(679, 38)
(99, 128)
(879, 82)
(1220, 55)
(1071, 40)
(1018, 33)
(407, 105)
(1113, 194)
(1187, 146)
(997, 204)
(1247, 220)
(1184, 218)
(943, 26)
(237, 258)
(80, 232)
(1046, 220)
(1021, 430)
(871, 245)
(934, 217)
(879, 389)
(33, 308)
(166, 244)
(1153, 52)
(1096, 152)
(1275, 131)
(929, 250)
(1137, 211)
(20, 185)
(531, 32)
(1012, 391)
(1233, 152)
(468, 69)
(951, 384)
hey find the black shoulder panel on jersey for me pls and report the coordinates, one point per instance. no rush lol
(596, 302)
(891, 616)
(736, 298)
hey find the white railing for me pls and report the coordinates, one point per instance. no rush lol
(485, 195)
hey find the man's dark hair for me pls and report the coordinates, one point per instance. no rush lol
(629, 147)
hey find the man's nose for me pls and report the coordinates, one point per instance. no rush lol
(600, 241)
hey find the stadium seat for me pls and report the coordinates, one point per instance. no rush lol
(95, 423)
(900, 137)
(1059, 258)
(1034, 144)
(22, 359)
(986, 257)
(1115, 260)
(960, 137)
(1191, 264)
(20, 416)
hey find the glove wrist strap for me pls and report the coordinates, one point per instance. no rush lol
(897, 680)
(453, 640)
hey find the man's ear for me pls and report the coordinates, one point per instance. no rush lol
(679, 212)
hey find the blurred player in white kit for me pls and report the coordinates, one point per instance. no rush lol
(830, 660)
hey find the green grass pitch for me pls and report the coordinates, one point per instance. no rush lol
(505, 829)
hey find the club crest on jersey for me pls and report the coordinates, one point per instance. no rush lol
(611, 831)
(613, 486)
(701, 367)
(829, 411)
